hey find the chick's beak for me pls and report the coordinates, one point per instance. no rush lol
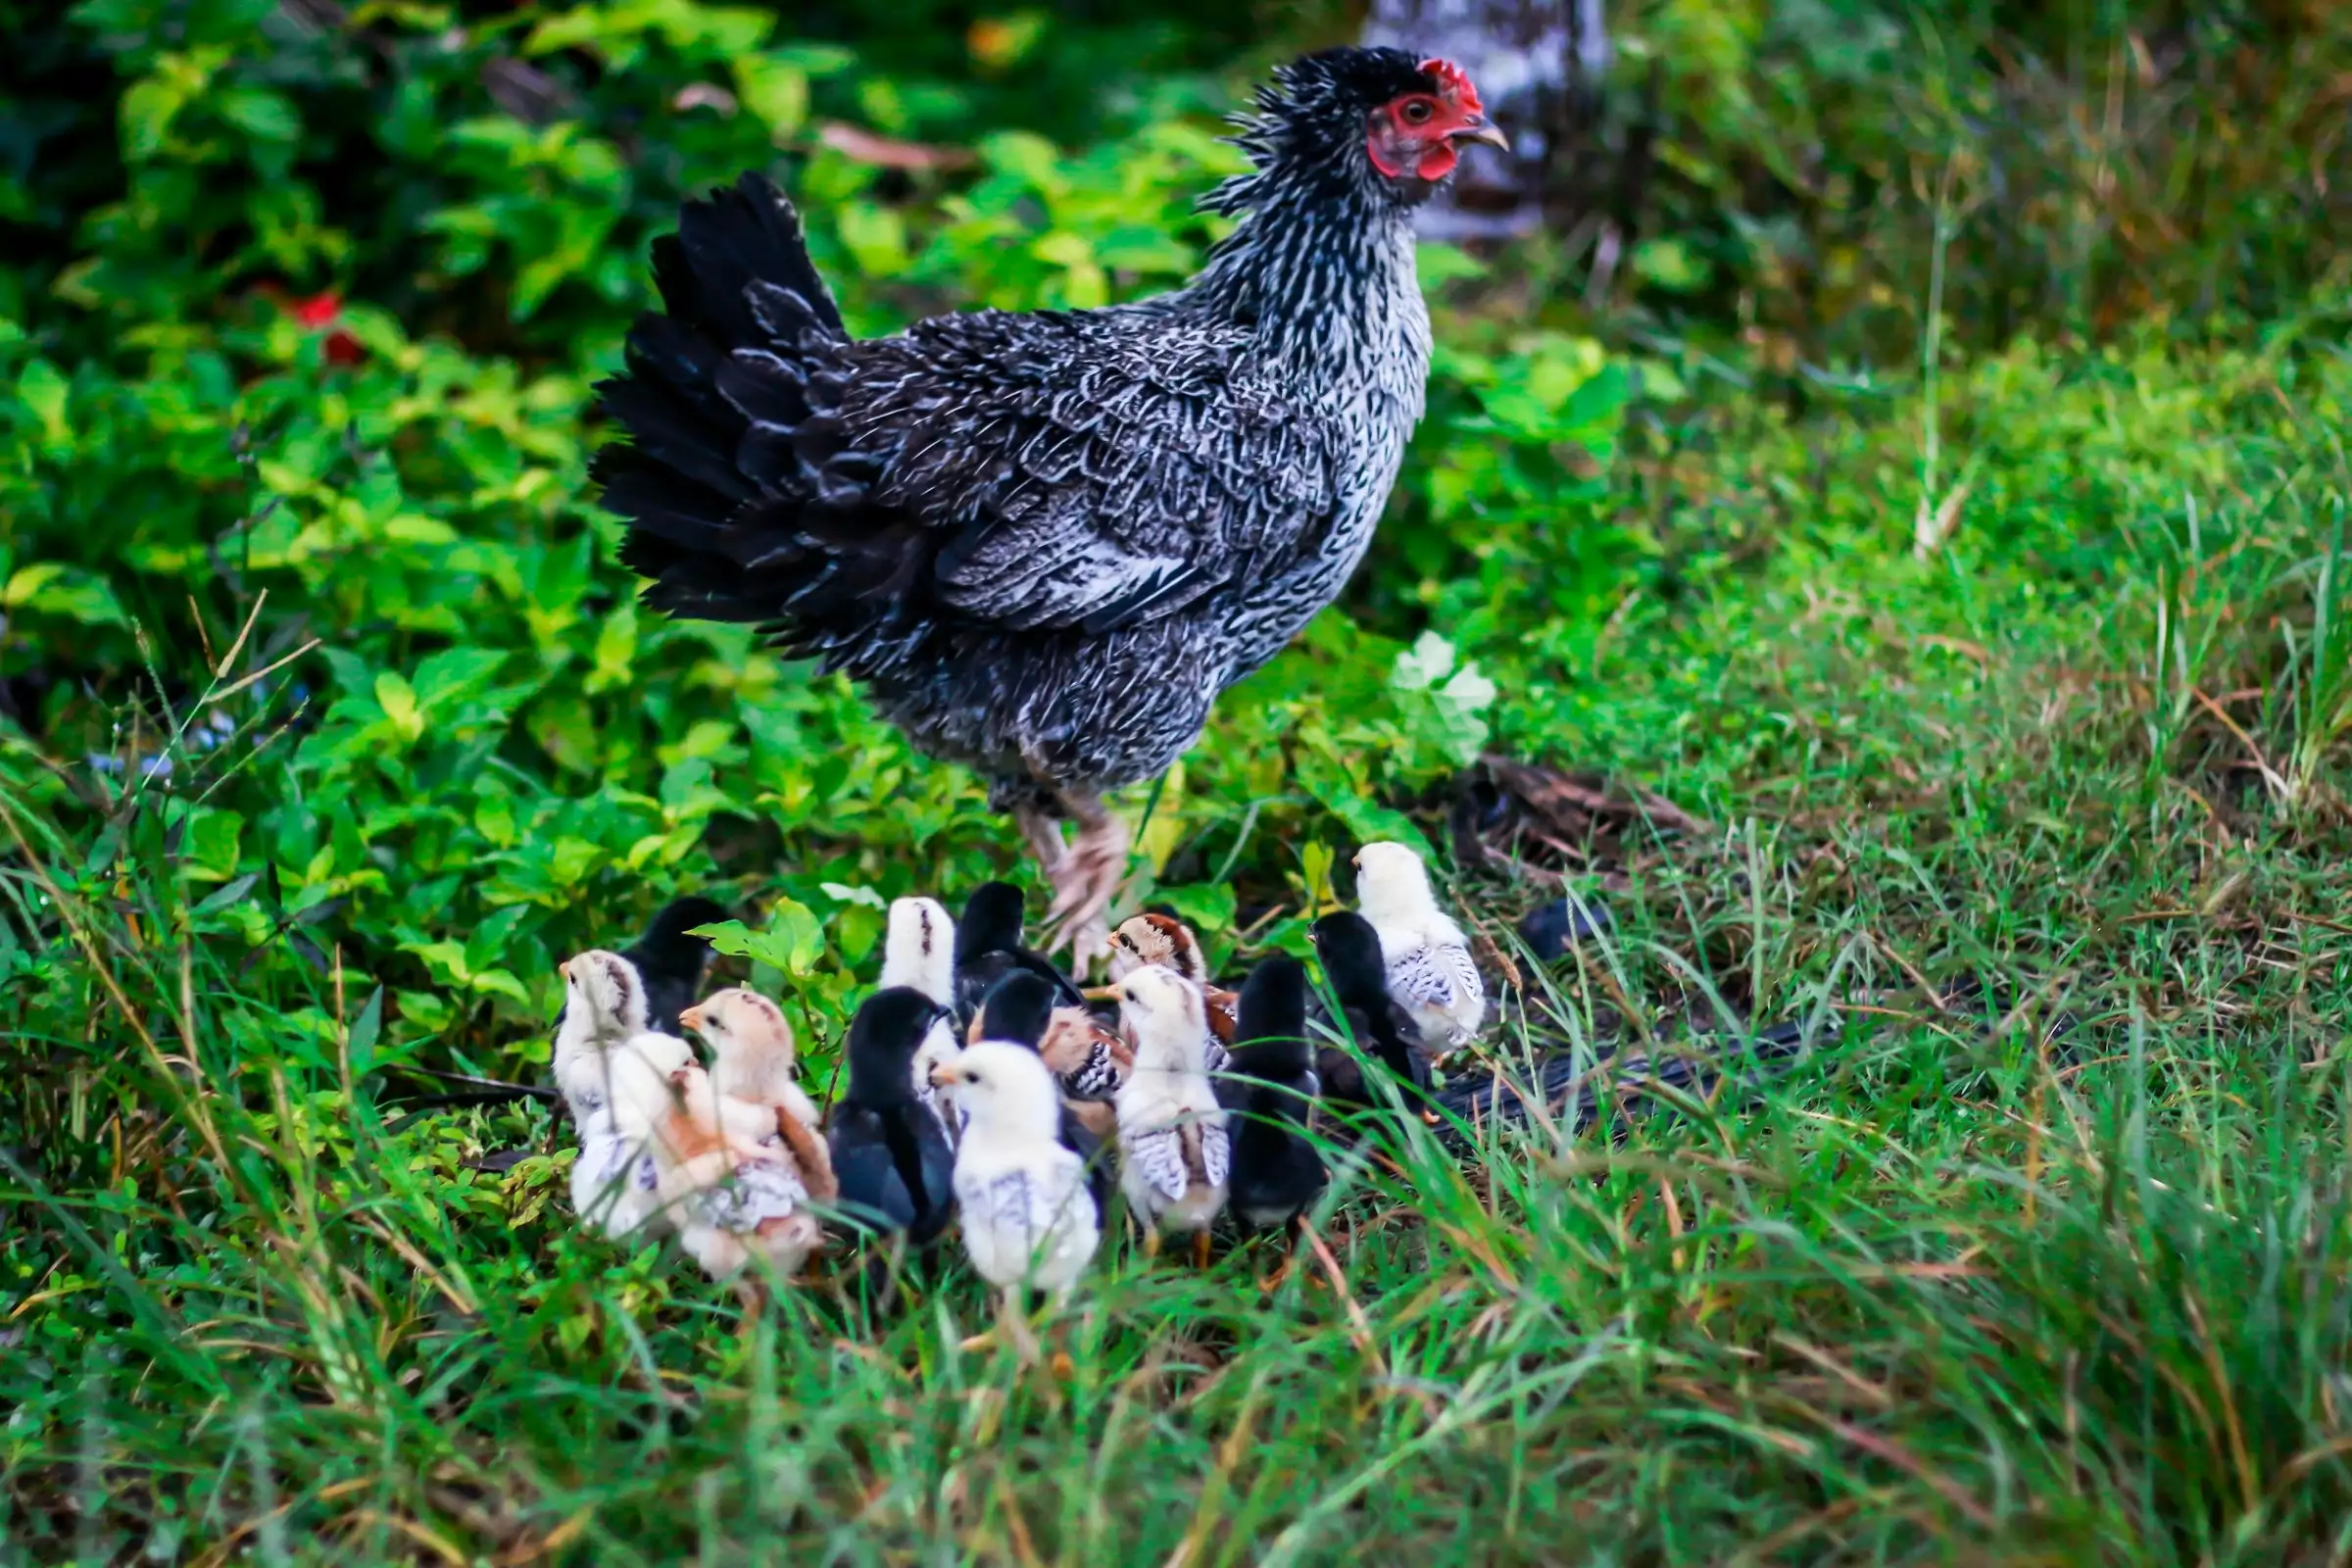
(691, 1019)
(943, 1075)
(1478, 127)
(564, 969)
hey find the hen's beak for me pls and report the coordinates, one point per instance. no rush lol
(691, 1019)
(1478, 127)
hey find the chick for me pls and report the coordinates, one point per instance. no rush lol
(730, 1198)
(918, 951)
(752, 1073)
(1376, 1023)
(1168, 942)
(890, 1154)
(989, 947)
(613, 1180)
(671, 960)
(1171, 1129)
(1429, 972)
(1029, 1219)
(1270, 1087)
(1020, 1011)
(1090, 1060)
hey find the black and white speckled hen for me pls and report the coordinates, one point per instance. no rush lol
(1044, 543)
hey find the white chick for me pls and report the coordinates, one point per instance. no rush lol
(1429, 971)
(731, 1199)
(1172, 1136)
(1028, 1218)
(919, 950)
(613, 1180)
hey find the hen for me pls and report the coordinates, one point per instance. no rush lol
(1044, 543)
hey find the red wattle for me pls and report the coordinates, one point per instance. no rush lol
(1437, 163)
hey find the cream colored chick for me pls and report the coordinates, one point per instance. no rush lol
(919, 950)
(1429, 971)
(753, 1065)
(613, 1180)
(1173, 1138)
(1028, 1218)
(730, 1198)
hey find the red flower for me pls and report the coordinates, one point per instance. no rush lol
(319, 314)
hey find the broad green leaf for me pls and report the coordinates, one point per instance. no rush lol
(1208, 906)
(44, 392)
(398, 703)
(774, 90)
(454, 674)
(209, 852)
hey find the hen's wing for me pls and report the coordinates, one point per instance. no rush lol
(1088, 468)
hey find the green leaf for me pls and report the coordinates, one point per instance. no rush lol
(876, 235)
(209, 852)
(447, 677)
(398, 700)
(65, 591)
(148, 110)
(1669, 262)
(842, 894)
(793, 943)
(365, 1030)
(774, 90)
(1429, 660)
(44, 392)
(1208, 906)
(235, 892)
(262, 115)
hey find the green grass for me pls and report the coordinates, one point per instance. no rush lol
(2043, 1258)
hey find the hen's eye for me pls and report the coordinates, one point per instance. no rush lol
(1416, 112)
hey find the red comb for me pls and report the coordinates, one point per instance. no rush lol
(1453, 82)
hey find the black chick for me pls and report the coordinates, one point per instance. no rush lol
(1270, 1083)
(672, 961)
(890, 1154)
(1351, 952)
(989, 947)
(1017, 1009)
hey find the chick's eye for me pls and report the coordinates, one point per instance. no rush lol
(1416, 110)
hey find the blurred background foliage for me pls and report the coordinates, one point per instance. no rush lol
(305, 303)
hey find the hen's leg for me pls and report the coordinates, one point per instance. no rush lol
(1086, 880)
(1043, 833)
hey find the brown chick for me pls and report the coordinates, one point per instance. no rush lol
(1165, 941)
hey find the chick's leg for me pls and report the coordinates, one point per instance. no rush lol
(1087, 879)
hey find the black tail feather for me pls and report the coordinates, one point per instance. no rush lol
(742, 501)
